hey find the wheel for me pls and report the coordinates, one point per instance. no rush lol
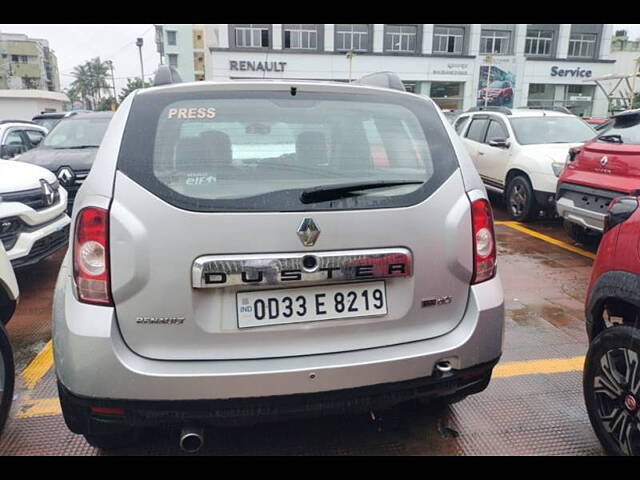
(580, 234)
(611, 385)
(521, 202)
(6, 376)
(112, 441)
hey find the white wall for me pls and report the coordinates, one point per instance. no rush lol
(25, 108)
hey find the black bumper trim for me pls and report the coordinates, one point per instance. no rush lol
(55, 241)
(243, 411)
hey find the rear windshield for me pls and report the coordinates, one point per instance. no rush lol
(221, 151)
(623, 129)
(551, 129)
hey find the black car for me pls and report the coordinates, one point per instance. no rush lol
(70, 148)
(51, 119)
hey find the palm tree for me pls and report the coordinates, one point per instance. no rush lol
(91, 81)
(98, 71)
(82, 83)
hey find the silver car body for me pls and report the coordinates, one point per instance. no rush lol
(167, 339)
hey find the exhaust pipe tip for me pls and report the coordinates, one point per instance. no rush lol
(191, 439)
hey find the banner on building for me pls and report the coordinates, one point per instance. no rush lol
(497, 82)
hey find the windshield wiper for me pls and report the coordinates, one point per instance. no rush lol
(614, 138)
(76, 147)
(333, 192)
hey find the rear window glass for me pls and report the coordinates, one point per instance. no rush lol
(477, 129)
(623, 129)
(77, 133)
(260, 151)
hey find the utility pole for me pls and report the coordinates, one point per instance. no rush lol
(350, 55)
(113, 78)
(489, 60)
(139, 43)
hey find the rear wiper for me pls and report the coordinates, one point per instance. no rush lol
(615, 138)
(332, 192)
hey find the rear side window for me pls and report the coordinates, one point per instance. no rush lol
(223, 151)
(477, 129)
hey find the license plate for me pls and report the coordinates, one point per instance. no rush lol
(310, 304)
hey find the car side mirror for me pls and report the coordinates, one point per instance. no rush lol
(10, 151)
(499, 143)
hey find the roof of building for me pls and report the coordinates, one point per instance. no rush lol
(33, 94)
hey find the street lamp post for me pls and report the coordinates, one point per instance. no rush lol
(139, 43)
(489, 60)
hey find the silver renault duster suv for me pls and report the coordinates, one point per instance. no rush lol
(252, 250)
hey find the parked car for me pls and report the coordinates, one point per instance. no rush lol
(8, 299)
(70, 148)
(211, 288)
(51, 119)
(17, 137)
(611, 379)
(500, 92)
(33, 222)
(596, 173)
(519, 153)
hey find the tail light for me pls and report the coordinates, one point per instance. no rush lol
(620, 209)
(484, 242)
(91, 256)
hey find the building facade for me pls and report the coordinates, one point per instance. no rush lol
(458, 65)
(183, 47)
(27, 63)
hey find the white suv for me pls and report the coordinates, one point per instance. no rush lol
(33, 222)
(19, 136)
(521, 152)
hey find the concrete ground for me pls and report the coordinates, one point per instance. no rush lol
(533, 405)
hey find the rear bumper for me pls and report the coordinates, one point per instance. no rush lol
(93, 361)
(584, 206)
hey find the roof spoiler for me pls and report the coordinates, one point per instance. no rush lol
(382, 80)
(166, 75)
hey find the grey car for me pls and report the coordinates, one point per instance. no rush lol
(254, 250)
(70, 148)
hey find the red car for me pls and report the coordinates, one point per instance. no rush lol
(500, 92)
(611, 379)
(597, 172)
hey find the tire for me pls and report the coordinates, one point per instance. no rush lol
(520, 200)
(7, 372)
(613, 403)
(113, 441)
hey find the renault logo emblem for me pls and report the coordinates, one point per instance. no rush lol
(48, 193)
(66, 176)
(603, 161)
(308, 232)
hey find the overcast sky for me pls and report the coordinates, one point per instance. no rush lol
(74, 44)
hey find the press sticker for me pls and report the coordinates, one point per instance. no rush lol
(193, 113)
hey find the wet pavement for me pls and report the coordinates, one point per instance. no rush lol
(533, 405)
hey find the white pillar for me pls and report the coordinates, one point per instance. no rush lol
(378, 37)
(563, 40)
(427, 38)
(223, 35)
(329, 30)
(474, 39)
(605, 42)
(276, 31)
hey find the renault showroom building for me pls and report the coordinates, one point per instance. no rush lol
(539, 65)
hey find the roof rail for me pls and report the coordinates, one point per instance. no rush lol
(166, 75)
(504, 110)
(555, 108)
(17, 121)
(383, 80)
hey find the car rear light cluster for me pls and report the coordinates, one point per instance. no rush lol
(619, 210)
(91, 256)
(484, 242)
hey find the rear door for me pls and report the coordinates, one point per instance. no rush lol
(214, 255)
(492, 161)
(474, 138)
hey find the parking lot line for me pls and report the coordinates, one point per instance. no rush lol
(39, 407)
(546, 238)
(38, 367)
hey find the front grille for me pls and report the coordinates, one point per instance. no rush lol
(50, 242)
(9, 231)
(33, 198)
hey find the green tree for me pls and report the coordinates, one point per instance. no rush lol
(90, 81)
(106, 104)
(132, 84)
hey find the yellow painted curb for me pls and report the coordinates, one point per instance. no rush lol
(40, 407)
(537, 367)
(38, 367)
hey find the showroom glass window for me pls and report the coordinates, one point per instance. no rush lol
(251, 36)
(495, 42)
(171, 37)
(301, 36)
(352, 37)
(401, 38)
(448, 40)
(582, 45)
(447, 95)
(538, 43)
